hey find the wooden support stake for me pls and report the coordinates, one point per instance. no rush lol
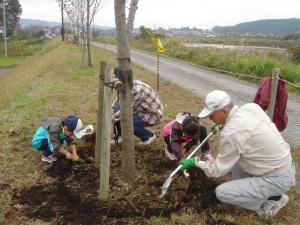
(106, 137)
(99, 113)
(273, 94)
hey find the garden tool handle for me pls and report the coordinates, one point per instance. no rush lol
(168, 181)
(215, 128)
(196, 149)
(200, 145)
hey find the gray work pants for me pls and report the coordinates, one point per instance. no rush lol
(250, 192)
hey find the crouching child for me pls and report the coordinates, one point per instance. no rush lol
(55, 132)
(181, 134)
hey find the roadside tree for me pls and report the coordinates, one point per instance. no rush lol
(124, 28)
(81, 14)
(92, 7)
(13, 11)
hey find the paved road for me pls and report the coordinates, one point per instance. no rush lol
(201, 81)
(4, 70)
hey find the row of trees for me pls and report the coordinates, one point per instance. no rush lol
(79, 17)
(78, 20)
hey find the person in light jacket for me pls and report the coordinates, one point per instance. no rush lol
(253, 150)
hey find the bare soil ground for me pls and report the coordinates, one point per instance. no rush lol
(70, 195)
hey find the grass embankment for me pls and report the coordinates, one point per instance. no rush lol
(18, 51)
(60, 87)
(13, 81)
(10, 61)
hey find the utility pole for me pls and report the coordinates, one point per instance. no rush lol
(4, 28)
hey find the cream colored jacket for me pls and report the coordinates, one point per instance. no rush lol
(250, 140)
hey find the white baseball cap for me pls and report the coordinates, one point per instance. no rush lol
(214, 101)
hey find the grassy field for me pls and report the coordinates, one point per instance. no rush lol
(18, 51)
(238, 40)
(52, 83)
(10, 61)
(29, 68)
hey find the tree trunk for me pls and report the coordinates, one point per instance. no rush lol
(82, 43)
(127, 157)
(78, 33)
(131, 15)
(62, 21)
(88, 34)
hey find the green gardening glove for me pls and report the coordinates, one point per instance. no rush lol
(188, 163)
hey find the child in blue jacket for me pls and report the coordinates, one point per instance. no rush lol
(54, 132)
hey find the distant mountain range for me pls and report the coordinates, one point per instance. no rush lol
(30, 22)
(278, 27)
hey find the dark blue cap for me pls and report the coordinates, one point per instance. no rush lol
(71, 122)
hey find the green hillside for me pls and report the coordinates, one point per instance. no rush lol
(278, 27)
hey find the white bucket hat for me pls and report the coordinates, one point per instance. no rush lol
(81, 131)
(74, 124)
(214, 101)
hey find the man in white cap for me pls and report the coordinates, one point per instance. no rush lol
(253, 150)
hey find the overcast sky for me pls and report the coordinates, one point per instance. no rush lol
(203, 14)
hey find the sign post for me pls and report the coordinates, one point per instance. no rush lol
(160, 50)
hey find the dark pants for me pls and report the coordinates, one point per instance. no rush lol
(138, 128)
(45, 147)
(202, 136)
